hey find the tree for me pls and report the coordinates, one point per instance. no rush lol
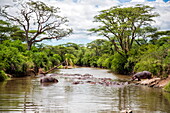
(38, 21)
(155, 59)
(122, 25)
(8, 31)
(12, 61)
(73, 45)
(96, 45)
(70, 59)
(144, 34)
(165, 35)
(41, 60)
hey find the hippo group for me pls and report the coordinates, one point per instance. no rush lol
(142, 75)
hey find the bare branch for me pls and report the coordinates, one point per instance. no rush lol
(45, 21)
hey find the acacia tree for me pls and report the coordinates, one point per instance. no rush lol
(157, 37)
(96, 45)
(38, 21)
(8, 31)
(122, 25)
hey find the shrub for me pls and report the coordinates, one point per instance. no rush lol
(154, 59)
(118, 64)
(167, 87)
(3, 75)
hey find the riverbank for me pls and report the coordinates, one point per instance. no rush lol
(155, 82)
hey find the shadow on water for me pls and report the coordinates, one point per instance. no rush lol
(27, 95)
(14, 94)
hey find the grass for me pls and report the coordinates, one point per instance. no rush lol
(167, 87)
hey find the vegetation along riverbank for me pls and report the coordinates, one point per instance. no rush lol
(131, 45)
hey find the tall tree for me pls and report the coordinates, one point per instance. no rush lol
(121, 25)
(38, 20)
(96, 45)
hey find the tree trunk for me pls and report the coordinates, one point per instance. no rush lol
(52, 68)
(29, 45)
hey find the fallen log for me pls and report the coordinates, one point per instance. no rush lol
(44, 73)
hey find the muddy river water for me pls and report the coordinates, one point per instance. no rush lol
(28, 95)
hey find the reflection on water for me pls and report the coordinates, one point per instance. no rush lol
(27, 95)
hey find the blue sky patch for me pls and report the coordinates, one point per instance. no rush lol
(166, 0)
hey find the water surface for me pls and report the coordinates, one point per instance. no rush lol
(27, 95)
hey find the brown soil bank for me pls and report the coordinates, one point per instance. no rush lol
(155, 82)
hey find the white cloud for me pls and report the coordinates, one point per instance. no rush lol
(163, 9)
(6, 2)
(92, 38)
(82, 12)
(160, 1)
(163, 21)
(80, 15)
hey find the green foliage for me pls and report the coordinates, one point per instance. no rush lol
(101, 62)
(73, 45)
(70, 59)
(60, 67)
(154, 59)
(132, 45)
(167, 87)
(8, 31)
(16, 44)
(118, 64)
(156, 36)
(122, 25)
(108, 62)
(163, 40)
(86, 58)
(3, 75)
(12, 61)
(13, 58)
(93, 61)
(41, 60)
(55, 59)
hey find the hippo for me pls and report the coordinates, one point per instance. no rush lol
(48, 79)
(142, 75)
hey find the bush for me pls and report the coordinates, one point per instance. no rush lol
(154, 59)
(41, 60)
(118, 64)
(108, 62)
(12, 60)
(167, 87)
(3, 75)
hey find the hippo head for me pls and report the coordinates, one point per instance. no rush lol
(48, 79)
(133, 78)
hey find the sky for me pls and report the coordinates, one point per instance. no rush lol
(80, 14)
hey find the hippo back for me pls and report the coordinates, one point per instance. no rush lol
(147, 74)
(138, 75)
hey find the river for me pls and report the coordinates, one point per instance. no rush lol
(28, 95)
